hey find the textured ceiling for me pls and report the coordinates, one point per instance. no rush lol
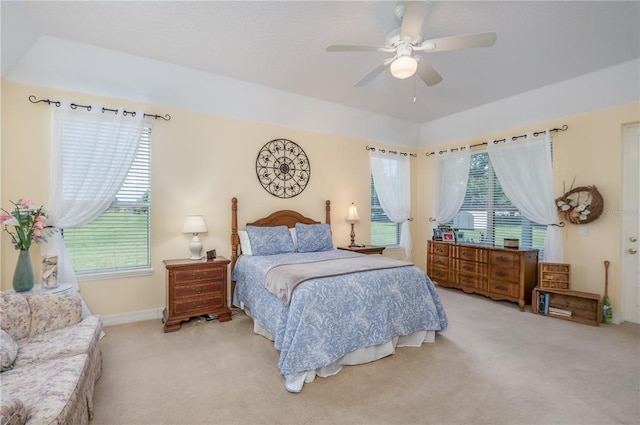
(282, 44)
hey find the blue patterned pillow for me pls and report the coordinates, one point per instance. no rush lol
(314, 237)
(270, 240)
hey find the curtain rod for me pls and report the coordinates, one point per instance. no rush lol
(535, 134)
(57, 103)
(393, 152)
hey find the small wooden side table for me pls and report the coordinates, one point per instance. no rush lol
(195, 288)
(367, 249)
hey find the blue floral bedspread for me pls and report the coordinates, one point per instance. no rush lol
(330, 317)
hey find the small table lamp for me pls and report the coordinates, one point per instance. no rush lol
(353, 217)
(194, 224)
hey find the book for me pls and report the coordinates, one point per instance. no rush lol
(560, 312)
(546, 303)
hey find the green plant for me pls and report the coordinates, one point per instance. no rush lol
(27, 221)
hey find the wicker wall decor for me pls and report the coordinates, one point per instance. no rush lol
(580, 205)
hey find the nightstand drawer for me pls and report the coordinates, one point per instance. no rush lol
(198, 275)
(186, 291)
(193, 306)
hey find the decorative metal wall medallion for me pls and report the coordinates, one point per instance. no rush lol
(283, 168)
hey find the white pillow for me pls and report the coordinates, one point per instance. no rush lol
(245, 244)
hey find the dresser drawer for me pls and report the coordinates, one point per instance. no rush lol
(472, 281)
(470, 253)
(199, 275)
(186, 291)
(439, 262)
(504, 288)
(470, 267)
(440, 249)
(506, 259)
(439, 275)
(208, 303)
(504, 273)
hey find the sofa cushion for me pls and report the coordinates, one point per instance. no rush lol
(15, 315)
(63, 342)
(50, 391)
(12, 411)
(50, 313)
(8, 351)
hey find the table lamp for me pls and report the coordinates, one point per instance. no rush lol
(194, 224)
(353, 217)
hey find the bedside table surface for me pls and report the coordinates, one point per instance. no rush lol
(367, 249)
(188, 262)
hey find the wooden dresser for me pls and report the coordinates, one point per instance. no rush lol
(498, 273)
(195, 288)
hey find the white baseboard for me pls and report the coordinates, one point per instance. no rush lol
(135, 316)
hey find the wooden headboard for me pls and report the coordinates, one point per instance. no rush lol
(287, 218)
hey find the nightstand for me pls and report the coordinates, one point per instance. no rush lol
(368, 249)
(195, 288)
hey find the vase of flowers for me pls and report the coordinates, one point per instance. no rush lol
(26, 226)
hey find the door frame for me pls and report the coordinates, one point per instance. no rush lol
(629, 214)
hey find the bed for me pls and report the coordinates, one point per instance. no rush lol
(339, 316)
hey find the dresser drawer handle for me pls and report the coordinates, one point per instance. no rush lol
(200, 305)
(467, 280)
(467, 267)
(439, 262)
(501, 258)
(501, 288)
(196, 275)
(200, 291)
(501, 273)
(467, 254)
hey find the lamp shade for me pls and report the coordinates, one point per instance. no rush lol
(353, 213)
(194, 224)
(404, 67)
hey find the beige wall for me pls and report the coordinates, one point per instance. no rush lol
(589, 151)
(200, 161)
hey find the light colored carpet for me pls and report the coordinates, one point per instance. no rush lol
(493, 365)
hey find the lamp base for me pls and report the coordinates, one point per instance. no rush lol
(196, 248)
(353, 238)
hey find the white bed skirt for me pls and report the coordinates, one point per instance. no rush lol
(295, 381)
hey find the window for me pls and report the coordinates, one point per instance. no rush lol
(384, 232)
(487, 215)
(119, 239)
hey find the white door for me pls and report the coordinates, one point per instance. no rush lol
(631, 223)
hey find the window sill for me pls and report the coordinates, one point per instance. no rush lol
(119, 274)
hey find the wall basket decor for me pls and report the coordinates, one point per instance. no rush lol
(581, 205)
(283, 168)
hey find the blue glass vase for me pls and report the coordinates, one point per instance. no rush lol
(24, 277)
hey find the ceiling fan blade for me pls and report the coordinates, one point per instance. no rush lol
(415, 13)
(372, 74)
(348, 48)
(457, 42)
(428, 74)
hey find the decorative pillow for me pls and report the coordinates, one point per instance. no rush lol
(270, 240)
(245, 245)
(314, 237)
(8, 351)
(12, 411)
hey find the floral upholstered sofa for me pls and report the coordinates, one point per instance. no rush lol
(51, 359)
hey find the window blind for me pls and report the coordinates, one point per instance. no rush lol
(487, 215)
(119, 239)
(384, 232)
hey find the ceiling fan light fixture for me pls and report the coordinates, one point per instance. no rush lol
(403, 67)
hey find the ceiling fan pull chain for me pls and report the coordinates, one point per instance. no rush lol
(414, 88)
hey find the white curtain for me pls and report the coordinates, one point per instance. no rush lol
(452, 176)
(392, 179)
(91, 153)
(524, 170)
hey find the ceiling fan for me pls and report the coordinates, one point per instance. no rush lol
(407, 45)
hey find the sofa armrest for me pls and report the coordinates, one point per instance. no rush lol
(12, 411)
(53, 311)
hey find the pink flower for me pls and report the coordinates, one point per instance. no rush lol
(5, 217)
(25, 202)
